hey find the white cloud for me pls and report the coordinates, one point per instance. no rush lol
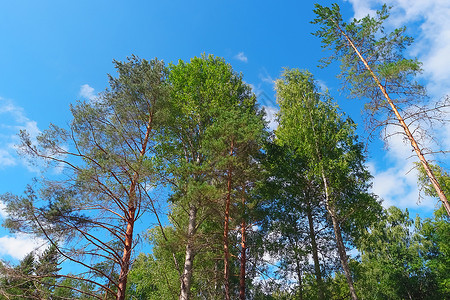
(12, 120)
(265, 77)
(256, 89)
(322, 85)
(87, 92)
(362, 8)
(241, 56)
(3, 213)
(432, 37)
(397, 185)
(271, 116)
(268, 104)
(6, 159)
(20, 245)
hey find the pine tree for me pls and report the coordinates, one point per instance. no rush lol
(215, 132)
(373, 67)
(108, 167)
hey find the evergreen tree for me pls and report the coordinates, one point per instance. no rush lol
(374, 67)
(214, 135)
(107, 163)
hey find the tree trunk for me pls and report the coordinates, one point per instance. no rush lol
(339, 241)
(125, 263)
(337, 229)
(243, 256)
(343, 254)
(131, 218)
(312, 234)
(190, 253)
(299, 275)
(405, 127)
(226, 251)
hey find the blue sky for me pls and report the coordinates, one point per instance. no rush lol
(55, 52)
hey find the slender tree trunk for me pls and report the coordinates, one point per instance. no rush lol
(331, 211)
(226, 251)
(339, 241)
(125, 263)
(216, 276)
(243, 255)
(131, 218)
(405, 127)
(312, 234)
(342, 254)
(190, 253)
(299, 275)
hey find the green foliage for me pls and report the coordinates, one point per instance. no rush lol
(442, 177)
(436, 249)
(382, 51)
(397, 261)
(314, 128)
(312, 125)
(215, 131)
(17, 282)
(35, 277)
(155, 275)
(291, 197)
(196, 127)
(106, 159)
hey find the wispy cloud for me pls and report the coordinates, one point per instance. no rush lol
(268, 104)
(397, 185)
(362, 8)
(6, 159)
(271, 116)
(3, 213)
(87, 92)
(323, 86)
(241, 56)
(265, 77)
(12, 120)
(19, 245)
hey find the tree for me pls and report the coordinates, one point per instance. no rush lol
(394, 262)
(106, 164)
(374, 67)
(214, 131)
(235, 141)
(17, 282)
(435, 239)
(35, 277)
(153, 276)
(442, 177)
(310, 124)
(293, 216)
(47, 269)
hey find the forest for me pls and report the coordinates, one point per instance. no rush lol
(231, 209)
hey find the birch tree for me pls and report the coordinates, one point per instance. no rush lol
(312, 125)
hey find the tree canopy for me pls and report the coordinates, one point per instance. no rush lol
(178, 158)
